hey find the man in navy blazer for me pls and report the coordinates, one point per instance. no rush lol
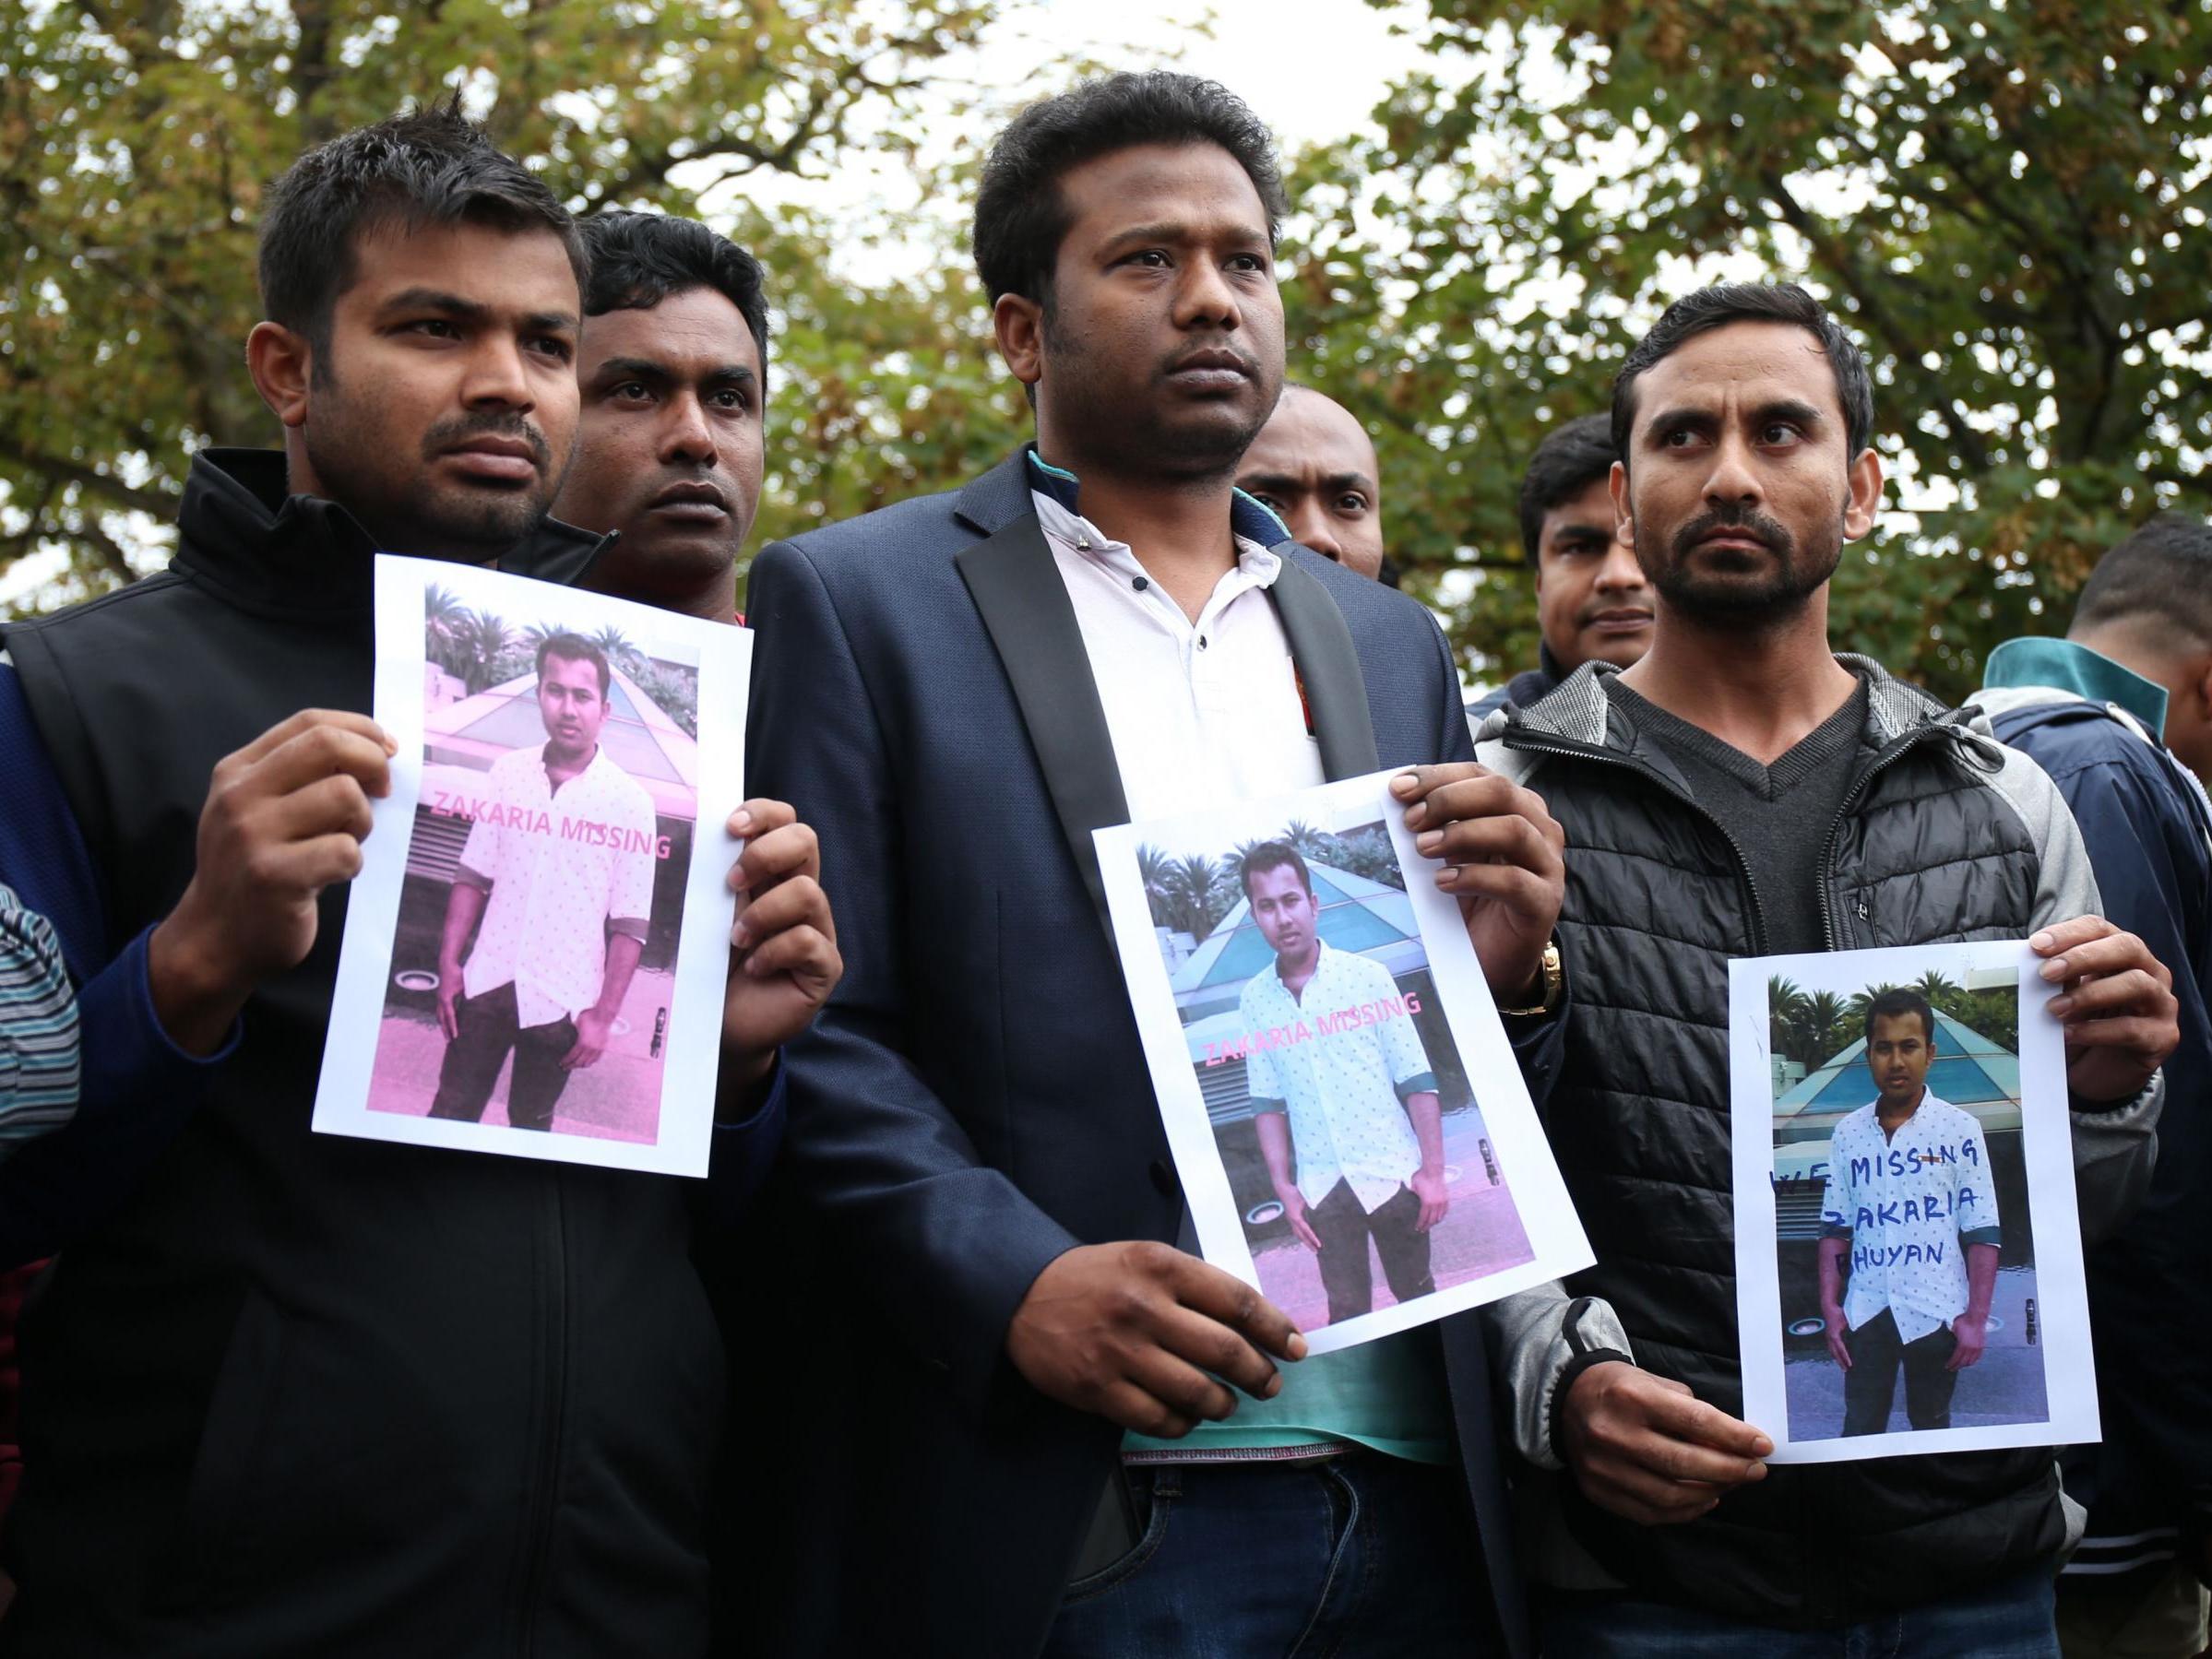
(992, 1378)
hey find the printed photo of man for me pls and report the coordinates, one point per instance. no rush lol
(558, 869)
(1913, 1203)
(1354, 1103)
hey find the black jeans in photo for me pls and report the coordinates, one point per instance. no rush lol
(1872, 1382)
(1344, 1228)
(489, 1031)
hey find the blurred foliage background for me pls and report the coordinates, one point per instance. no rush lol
(2006, 201)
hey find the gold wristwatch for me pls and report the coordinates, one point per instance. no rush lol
(1554, 976)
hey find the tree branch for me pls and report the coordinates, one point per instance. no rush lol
(158, 502)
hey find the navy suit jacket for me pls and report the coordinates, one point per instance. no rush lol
(973, 1101)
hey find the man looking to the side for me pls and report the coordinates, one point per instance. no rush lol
(1312, 466)
(1912, 1203)
(672, 366)
(1744, 791)
(1356, 1108)
(2118, 712)
(376, 1395)
(564, 916)
(1593, 603)
(1002, 1408)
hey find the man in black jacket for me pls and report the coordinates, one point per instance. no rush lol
(1741, 790)
(1592, 603)
(290, 1394)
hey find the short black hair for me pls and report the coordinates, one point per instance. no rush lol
(574, 647)
(1570, 460)
(1727, 303)
(1020, 216)
(1899, 999)
(1273, 855)
(639, 259)
(2161, 573)
(428, 166)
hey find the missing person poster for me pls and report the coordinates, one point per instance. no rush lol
(1347, 1117)
(536, 945)
(1909, 1267)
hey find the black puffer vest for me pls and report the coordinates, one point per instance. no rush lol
(1659, 900)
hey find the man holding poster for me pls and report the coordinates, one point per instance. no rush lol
(559, 869)
(1355, 1101)
(378, 1393)
(1911, 1201)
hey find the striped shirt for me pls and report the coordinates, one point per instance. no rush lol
(37, 1027)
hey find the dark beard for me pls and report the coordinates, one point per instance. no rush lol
(1793, 574)
(1136, 442)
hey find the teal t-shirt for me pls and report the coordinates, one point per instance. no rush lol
(1388, 1395)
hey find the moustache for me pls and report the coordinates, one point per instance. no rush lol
(1747, 521)
(487, 423)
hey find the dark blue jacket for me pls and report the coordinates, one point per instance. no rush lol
(2149, 835)
(975, 1101)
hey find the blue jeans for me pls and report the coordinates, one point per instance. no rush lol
(2011, 1620)
(1356, 1557)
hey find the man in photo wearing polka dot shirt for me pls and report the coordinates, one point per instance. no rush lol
(1912, 1203)
(1355, 1103)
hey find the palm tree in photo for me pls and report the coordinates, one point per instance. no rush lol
(480, 638)
(1942, 994)
(1157, 870)
(1199, 893)
(442, 617)
(617, 645)
(1785, 1011)
(1824, 1014)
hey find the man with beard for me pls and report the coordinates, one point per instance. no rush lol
(1005, 1376)
(1744, 791)
(290, 1393)
(672, 366)
(1592, 603)
(559, 919)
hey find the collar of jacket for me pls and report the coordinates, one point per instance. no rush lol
(1002, 495)
(1580, 710)
(264, 549)
(2065, 668)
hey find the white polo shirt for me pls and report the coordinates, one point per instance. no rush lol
(1201, 714)
(1340, 1061)
(1909, 1203)
(563, 867)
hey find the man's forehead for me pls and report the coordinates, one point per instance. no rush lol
(1192, 186)
(1748, 363)
(698, 331)
(507, 271)
(1311, 436)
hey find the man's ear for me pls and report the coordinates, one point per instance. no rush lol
(1018, 322)
(1624, 524)
(282, 365)
(1865, 479)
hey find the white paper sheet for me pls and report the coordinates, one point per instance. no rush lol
(647, 1102)
(2035, 1384)
(1509, 1223)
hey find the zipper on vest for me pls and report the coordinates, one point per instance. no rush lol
(1860, 785)
(1570, 749)
(552, 1362)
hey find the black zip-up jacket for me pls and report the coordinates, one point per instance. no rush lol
(310, 1394)
(1943, 834)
